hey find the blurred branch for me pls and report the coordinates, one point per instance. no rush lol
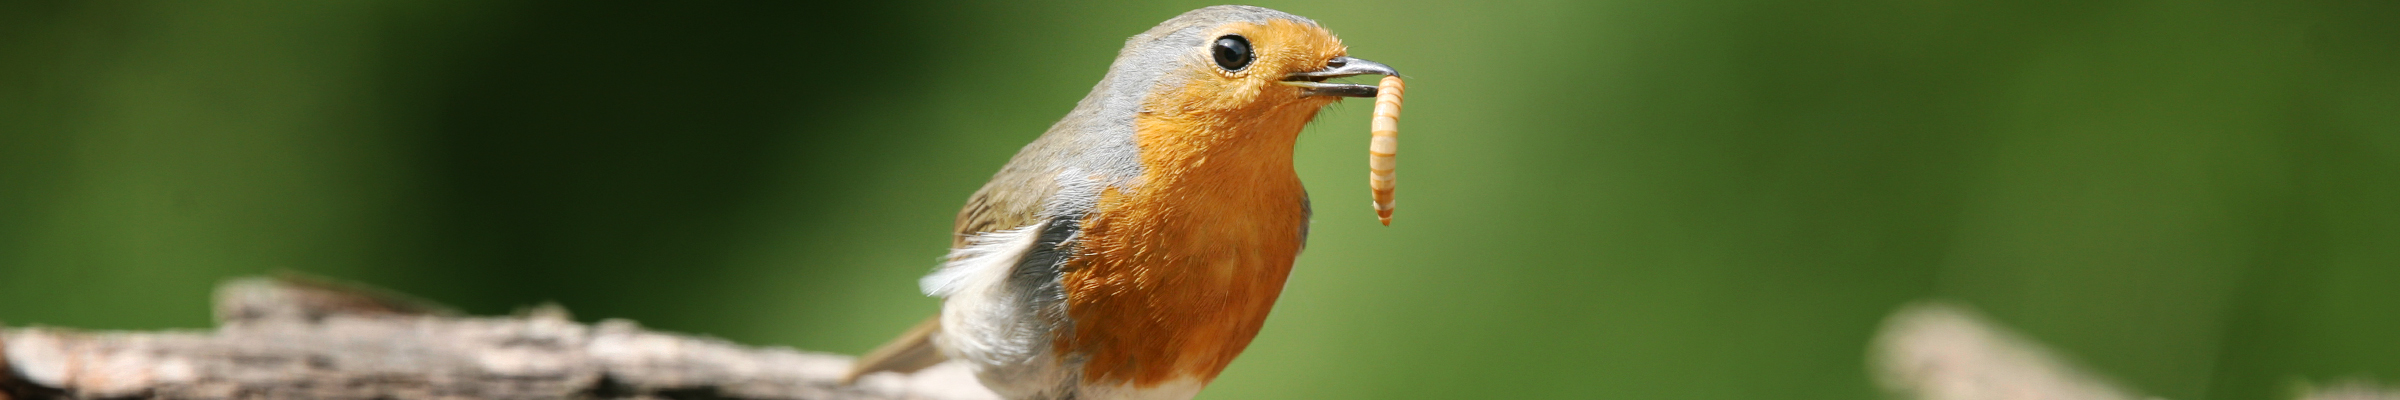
(1939, 351)
(1936, 351)
(304, 339)
(2355, 389)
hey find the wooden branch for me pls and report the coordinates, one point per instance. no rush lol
(305, 339)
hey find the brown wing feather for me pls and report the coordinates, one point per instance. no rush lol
(910, 352)
(1013, 199)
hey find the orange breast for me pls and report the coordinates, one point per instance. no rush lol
(1178, 275)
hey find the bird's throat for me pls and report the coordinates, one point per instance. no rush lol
(1178, 274)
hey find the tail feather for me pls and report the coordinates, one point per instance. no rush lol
(910, 352)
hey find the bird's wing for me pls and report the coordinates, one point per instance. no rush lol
(910, 352)
(1013, 199)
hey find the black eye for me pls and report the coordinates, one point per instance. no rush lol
(1233, 52)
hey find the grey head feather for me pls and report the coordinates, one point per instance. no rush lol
(1062, 174)
(1097, 138)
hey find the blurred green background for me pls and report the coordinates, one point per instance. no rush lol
(1640, 199)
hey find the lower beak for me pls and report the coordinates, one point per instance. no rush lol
(1314, 81)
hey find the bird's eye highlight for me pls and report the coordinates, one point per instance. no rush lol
(1233, 52)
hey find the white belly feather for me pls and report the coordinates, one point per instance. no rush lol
(994, 326)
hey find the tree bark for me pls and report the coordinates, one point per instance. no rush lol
(288, 338)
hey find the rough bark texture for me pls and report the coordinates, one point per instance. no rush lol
(298, 339)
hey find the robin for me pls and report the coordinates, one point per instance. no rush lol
(1135, 248)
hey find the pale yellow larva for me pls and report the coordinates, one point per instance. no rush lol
(1381, 150)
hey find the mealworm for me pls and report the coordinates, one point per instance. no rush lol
(1381, 150)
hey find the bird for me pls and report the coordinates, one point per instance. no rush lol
(1136, 247)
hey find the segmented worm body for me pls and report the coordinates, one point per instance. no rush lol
(1386, 144)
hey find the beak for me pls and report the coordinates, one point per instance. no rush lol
(1314, 81)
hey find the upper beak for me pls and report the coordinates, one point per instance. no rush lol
(1314, 81)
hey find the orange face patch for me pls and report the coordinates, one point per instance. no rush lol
(1282, 47)
(1176, 276)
